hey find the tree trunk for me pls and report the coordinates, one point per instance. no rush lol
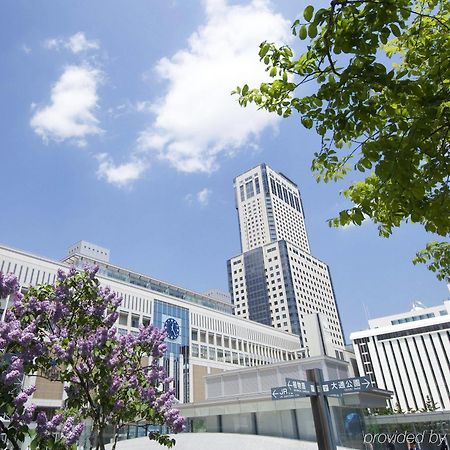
(116, 437)
(100, 440)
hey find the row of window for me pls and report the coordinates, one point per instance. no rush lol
(249, 189)
(133, 320)
(412, 319)
(222, 327)
(284, 194)
(412, 331)
(240, 345)
(227, 356)
(290, 225)
(28, 275)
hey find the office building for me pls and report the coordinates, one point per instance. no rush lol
(276, 281)
(409, 354)
(209, 338)
(269, 209)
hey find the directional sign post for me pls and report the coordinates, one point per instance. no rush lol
(304, 387)
(295, 388)
(346, 385)
(321, 413)
(283, 392)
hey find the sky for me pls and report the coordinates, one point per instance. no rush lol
(119, 128)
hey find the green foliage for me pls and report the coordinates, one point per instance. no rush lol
(381, 106)
(430, 406)
(437, 255)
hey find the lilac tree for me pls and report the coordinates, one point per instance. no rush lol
(19, 347)
(110, 380)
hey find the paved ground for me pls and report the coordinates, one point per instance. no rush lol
(220, 441)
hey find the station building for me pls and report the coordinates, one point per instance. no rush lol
(204, 337)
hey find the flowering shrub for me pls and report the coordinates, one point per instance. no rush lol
(67, 333)
(19, 347)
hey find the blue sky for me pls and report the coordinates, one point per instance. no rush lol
(118, 128)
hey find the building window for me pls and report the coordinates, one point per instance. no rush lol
(123, 319)
(273, 186)
(257, 185)
(135, 321)
(195, 335)
(249, 189)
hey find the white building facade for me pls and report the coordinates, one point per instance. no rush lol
(209, 338)
(409, 354)
(276, 281)
(269, 209)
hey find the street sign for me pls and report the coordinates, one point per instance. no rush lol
(301, 386)
(346, 385)
(283, 392)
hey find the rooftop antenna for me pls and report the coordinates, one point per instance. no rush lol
(417, 305)
(366, 312)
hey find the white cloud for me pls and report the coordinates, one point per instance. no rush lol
(25, 49)
(202, 197)
(70, 115)
(121, 175)
(197, 120)
(76, 43)
(143, 106)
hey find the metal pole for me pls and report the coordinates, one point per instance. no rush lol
(321, 413)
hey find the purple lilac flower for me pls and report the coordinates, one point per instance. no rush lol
(72, 437)
(12, 377)
(21, 399)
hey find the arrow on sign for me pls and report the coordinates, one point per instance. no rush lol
(275, 393)
(364, 381)
(282, 392)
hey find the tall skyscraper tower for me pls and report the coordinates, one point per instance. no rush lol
(269, 209)
(275, 280)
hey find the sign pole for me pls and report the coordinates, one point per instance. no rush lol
(321, 413)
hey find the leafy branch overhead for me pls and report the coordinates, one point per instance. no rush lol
(381, 104)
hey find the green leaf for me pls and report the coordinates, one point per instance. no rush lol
(303, 33)
(308, 13)
(264, 49)
(395, 30)
(245, 89)
(307, 122)
(312, 31)
(273, 71)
